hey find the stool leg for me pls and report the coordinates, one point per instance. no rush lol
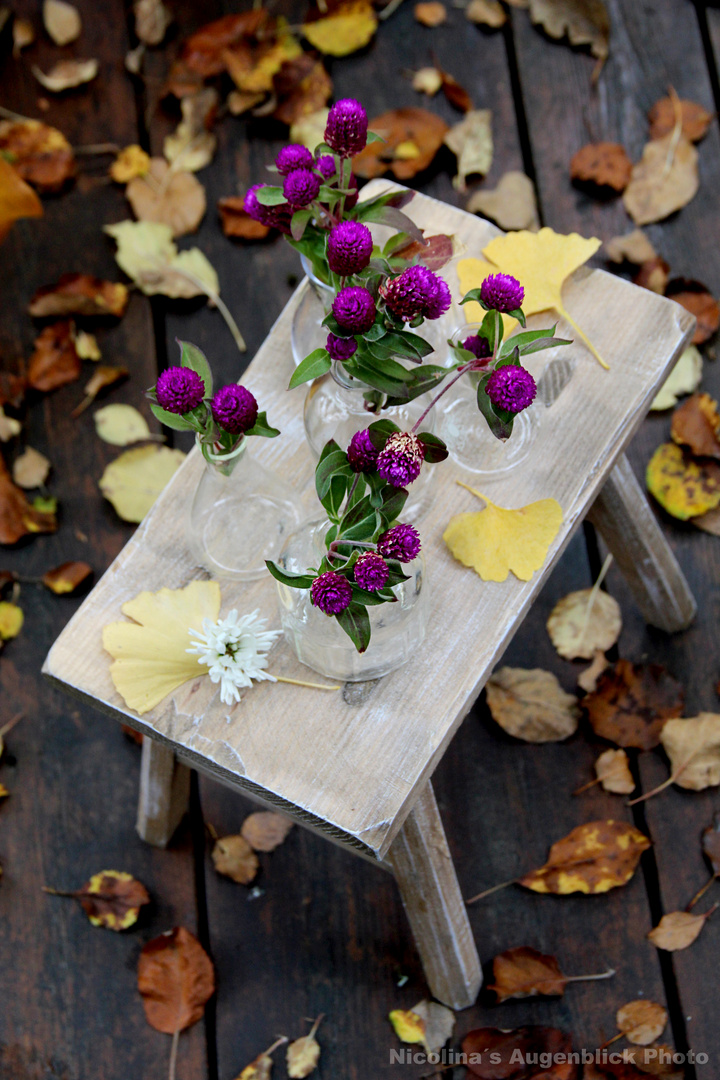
(629, 528)
(164, 793)
(421, 861)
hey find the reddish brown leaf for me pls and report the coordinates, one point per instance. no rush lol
(604, 164)
(175, 979)
(40, 154)
(696, 424)
(435, 253)
(302, 86)
(12, 389)
(203, 51)
(112, 899)
(699, 301)
(456, 94)
(592, 858)
(484, 1046)
(662, 117)
(236, 222)
(17, 516)
(55, 361)
(67, 578)
(412, 138)
(430, 13)
(653, 274)
(266, 830)
(525, 972)
(632, 703)
(80, 294)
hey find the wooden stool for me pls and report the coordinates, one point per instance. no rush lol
(356, 765)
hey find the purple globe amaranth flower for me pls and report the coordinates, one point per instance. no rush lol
(294, 156)
(274, 217)
(371, 571)
(478, 346)
(349, 247)
(340, 348)
(361, 452)
(325, 164)
(301, 187)
(502, 292)
(331, 592)
(354, 309)
(511, 387)
(402, 542)
(400, 460)
(179, 390)
(234, 409)
(417, 291)
(251, 205)
(346, 128)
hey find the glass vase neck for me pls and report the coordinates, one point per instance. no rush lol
(223, 463)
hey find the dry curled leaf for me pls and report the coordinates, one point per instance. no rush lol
(633, 247)
(653, 274)
(486, 13)
(303, 1055)
(301, 87)
(147, 254)
(472, 143)
(593, 858)
(132, 161)
(693, 747)
(430, 13)
(17, 516)
(586, 22)
(233, 857)
(30, 469)
(493, 1053)
(524, 972)
(641, 1021)
(347, 26)
(172, 198)
(531, 705)
(401, 129)
(40, 155)
(67, 578)
(192, 145)
(175, 980)
(62, 21)
(612, 769)
(79, 294)
(17, 199)
(121, 424)
(696, 424)
(66, 75)
(265, 830)
(438, 1024)
(253, 65)
(588, 679)
(683, 379)
(112, 899)
(236, 222)
(260, 1068)
(663, 181)
(152, 19)
(11, 620)
(632, 703)
(55, 361)
(203, 53)
(678, 930)
(102, 377)
(695, 120)
(512, 204)
(683, 487)
(584, 622)
(604, 164)
(699, 301)
(134, 480)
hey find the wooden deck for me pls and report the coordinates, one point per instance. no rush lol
(328, 933)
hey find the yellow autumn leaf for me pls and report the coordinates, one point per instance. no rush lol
(150, 657)
(345, 30)
(17, 199)
(592, 859)
(685, 377)
(683, 487)
(496, 540)
(120, 424)
(409, 1027)
(4, 793)
(11, 620)
(132, 161)
(133, 481)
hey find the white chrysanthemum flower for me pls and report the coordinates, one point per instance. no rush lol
(235, 650)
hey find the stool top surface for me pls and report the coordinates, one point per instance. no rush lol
(352, 763)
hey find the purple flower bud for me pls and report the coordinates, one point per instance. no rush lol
(346, 128)
(417, 291)
(234, 409)
(371, 571)
(354, 309)
(331, 592)
(294, 156)
(301, 187)
(275, 217)
(478, 346)
(402, 542)
(502, 292)
(340, 348)
(400, 460)
(349, 247)
(179, 390)
(251, 205)
(511, 387)
(361, 453)
(325, 164)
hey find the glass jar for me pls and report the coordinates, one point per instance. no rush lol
(307, 332)
(398, 630)
(241, 515)
(463, 428)
(335, 408)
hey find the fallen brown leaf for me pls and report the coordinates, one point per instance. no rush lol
(30, 469)
(693, 747)
(17, 516)
(202, 53)
(641, 1021)
(23, 33)
(493, 1053)
(401, 130)
(612, 769)
(62, 21)
(653, 274)
(102, 377)
(584, 622)
(54, 362)
(428, 81)
(678, 930)
(434, 252)
(265, 830)
(512, 204)
(174, 198)
(17, 199)
(67, 577)
(132, 161)
(456, 94)
(486, 13)
(9, 426)
(41, 155)
(66, 75)
(302, 86)
(531, 705)
(12, 389)
(586, 22)
(80, 294)
(111, 899)
(633, 247)
(663, 181)
(593, 858)
(632, 703)
(260, 1068)
(524, 972)
(252, 63)
(303, 1055)
(695, 120)
(233, 857)
(430, 13)
(236, 222)
(192, 145)
(699, 301)
(471, 142)
(684, 486)
(175, 979)
(86, 346)
(604, 164)
(696, 424)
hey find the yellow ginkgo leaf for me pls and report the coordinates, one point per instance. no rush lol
(11, 620)
(495, 540)
(349, 27)
(133, 481)
(542, 261)
(150, 657)
(471, 274)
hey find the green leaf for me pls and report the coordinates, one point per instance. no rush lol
(376, 332)
(424, 378)
(434, 449)
(335, 494)
(364, 530)
(518, 314)
(288, 577)
(171, 420)
(367, 599)
(331, 461)
(397, 574)
(270, 196)
(500, 425)
(299, 223)
(394, 500)
(356, 512)
(355, 621)
(192, 357)
(316, 364)
(372, 371)
(380, 431)
(372, 136)
(261, 427)
(543, 343)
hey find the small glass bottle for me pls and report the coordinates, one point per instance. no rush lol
(242, 514)
(398, 629)
(307, 332)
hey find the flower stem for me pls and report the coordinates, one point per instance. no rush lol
(460, 372)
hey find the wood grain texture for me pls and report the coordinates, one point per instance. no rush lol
(164, 793)
(375, 763)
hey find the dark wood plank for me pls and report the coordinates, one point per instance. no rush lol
(70, 1004)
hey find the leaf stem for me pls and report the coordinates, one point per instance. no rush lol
(593, 596)
(583, 337)
(591, 978)
(173, 1054)
(300, 682)
(487, 892)
(665, 784)
(700, 893)
(220, 304)
(11, 724)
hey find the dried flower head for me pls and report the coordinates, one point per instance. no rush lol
(400, 460)
(179, 390)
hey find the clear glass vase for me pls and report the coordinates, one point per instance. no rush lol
(463, 428)
(242, 514)
(398, 630)
(307, 332)
(335, 408)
